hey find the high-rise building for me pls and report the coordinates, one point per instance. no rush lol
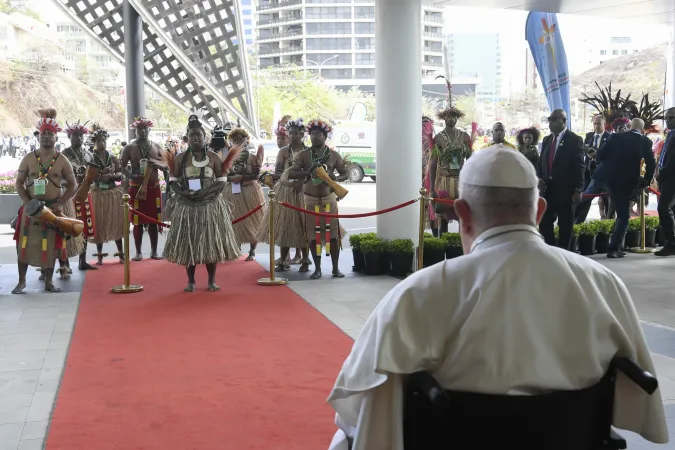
(477, 55)
(248, 17)
(334, 38)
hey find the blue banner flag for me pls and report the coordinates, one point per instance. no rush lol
(542, 33)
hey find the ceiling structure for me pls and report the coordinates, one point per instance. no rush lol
(192, 54)
(653, 11)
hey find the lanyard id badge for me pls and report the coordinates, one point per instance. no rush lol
(40, 186)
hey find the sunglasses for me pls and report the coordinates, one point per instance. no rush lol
(555, 119)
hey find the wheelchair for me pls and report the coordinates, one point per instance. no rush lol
(437, 419)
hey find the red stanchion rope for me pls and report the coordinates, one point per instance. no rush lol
(348, 216)
(162, 224)
(653, 191)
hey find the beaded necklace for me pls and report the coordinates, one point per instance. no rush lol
(44, 173)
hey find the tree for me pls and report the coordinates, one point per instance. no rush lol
(18, 6)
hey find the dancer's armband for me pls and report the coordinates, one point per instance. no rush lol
(221, 179)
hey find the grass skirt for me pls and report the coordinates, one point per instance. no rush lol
(251, 196)
(200, 233)
(289, 225)
(74, 245)
(109, 214)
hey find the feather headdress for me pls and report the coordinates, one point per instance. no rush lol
(649, 112)
(297, 123)
(233, 154)
(239, 136)
(141, 122)
(47, 121)
(76, 128)
(98, 131)
(281, 129)
(611, 106)
(320, 124)
(449, 111)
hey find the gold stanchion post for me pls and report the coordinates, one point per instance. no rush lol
(420, 246)
(272, 281)
(643, 248)
(127, 287)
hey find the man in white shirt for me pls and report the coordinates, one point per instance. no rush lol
(512, 316)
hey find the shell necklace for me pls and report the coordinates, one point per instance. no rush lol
(199, 164)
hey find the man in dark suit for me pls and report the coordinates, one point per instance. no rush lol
(561, 173)
(593, 141)
(666, 180)
(619, 172)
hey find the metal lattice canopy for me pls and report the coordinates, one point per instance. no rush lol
(194, 51)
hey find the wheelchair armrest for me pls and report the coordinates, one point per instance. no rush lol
(427, 385)
(642, 378)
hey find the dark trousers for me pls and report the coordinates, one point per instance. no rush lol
(665, 209)
(621, 203)
(559, 206)
(581, 211)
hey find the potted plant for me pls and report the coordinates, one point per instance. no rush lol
(651, 226)
(588, 232)
(634, 233)
(605, 228)
(401, 255)
(355, 243)
(434, 251)
(374, 251)
(454, 245)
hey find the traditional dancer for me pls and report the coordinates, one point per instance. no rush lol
(78, 156)
(289, 225)
(39, 177)
(527, 139)
(452, 149)
(319, 197)
(144, 156)
(244, 192)
(201, 225)
(427, 150)
(106, 196)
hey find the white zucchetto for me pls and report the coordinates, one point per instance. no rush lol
(499, 166)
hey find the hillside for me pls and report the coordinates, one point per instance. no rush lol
(24, 91)
(641, 72)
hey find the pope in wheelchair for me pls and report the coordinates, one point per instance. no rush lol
(513, 345)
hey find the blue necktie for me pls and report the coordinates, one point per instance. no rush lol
(595, 144)
(662, 159)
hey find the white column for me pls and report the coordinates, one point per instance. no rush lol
(398, 91)
(669, 101)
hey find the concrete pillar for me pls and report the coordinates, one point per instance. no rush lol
(398, 90)
(669, 100)
(133, 64)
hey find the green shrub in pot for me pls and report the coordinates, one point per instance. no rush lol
(651, 225)
(355, 244)
(401, 255)
(374, 251)
(454, 245)
(634, 233)
(587, 233)
(605, 228)
(434, 251)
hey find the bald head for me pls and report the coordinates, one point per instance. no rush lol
(557, 121)
(637, 125)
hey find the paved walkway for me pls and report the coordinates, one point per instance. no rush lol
(35, 332)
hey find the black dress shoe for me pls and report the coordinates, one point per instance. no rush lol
(615, 254)
(667, 250)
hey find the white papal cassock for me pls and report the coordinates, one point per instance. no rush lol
(514, 316)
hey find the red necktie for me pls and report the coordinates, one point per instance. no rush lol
(551, 154)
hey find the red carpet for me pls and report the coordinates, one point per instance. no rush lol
(247, 368)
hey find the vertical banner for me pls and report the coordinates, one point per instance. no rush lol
(542, 33)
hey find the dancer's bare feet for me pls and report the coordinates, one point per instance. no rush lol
(86, 266)
(42, 275)
(304, 267)
(316, 275)
(338, 274)
(99, 262)
(280, 268)
(19, 288)
(191, 287)
(213, 287)
(49, 287)
(297, 260)
(138, 257)
(155, 256)
(251, 255)
(63, 273)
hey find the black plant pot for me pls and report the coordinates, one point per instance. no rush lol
(650, 238)
(453, 252)
(401, 264)
(433, 257)
(377, 263)
(633, 239)
(602, 243)
(586, 244)
(359, 261)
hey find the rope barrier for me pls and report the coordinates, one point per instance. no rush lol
(348, 216)
(653, 191)
(162, 224)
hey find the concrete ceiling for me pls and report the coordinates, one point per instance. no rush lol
(654, 11)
